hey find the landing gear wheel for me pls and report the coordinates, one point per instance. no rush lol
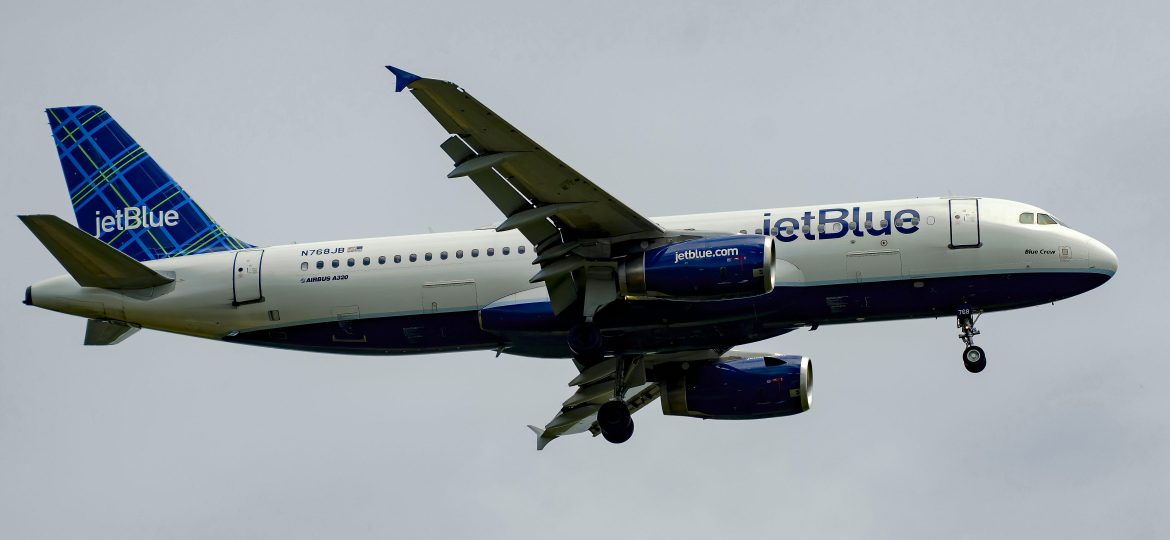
(614, 420)
(585, 340)
(619, 437)
(974, 359)
(613, 415)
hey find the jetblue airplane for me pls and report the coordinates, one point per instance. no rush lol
(647, 308)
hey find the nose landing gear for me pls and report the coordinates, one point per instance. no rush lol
(974, 359)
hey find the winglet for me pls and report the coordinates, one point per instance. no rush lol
(541, 440)
(402, 78)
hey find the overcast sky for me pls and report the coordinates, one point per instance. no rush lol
(281, 121)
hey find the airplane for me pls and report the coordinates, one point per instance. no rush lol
(646, 307)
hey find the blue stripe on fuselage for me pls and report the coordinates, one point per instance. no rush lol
(680, 325)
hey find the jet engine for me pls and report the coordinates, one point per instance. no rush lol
(740, 386)
(716, 268)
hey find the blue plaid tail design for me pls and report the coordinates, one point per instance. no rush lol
(123, 197)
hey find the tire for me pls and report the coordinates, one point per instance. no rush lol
(974, 359)
(619, 436)
(613, 416)
(585, 340)
(614, 420)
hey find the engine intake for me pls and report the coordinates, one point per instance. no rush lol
(723, 267)
(739, 387)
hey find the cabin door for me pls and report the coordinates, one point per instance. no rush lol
(246, 277)
(964, 219)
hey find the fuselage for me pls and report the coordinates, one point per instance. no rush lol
(839, 263)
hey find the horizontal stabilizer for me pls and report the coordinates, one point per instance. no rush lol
(90, 261)
(107, 332)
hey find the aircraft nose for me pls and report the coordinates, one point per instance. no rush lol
(1101, 257)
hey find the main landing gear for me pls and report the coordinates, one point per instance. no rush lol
(613, 417)
(974, 359)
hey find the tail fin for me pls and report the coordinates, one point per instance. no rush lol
(123, 197)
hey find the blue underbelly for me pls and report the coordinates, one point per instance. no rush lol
(666, 325)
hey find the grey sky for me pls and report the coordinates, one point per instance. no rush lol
(281, 121)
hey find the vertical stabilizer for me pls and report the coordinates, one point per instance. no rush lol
(123, 197)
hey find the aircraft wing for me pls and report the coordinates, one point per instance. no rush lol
(557, 208)
(595, 385)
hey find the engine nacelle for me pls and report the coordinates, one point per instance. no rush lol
(740, 386)
(722, 267)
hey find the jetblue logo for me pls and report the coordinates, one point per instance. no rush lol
(693, 254)
(830, 223)
(128, 219)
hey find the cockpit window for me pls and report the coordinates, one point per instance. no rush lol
(1045, 219)
(1027, 218)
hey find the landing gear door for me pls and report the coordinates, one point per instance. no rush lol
(246, 277)
(964, 223)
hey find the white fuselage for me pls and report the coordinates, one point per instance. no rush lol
(399, 276)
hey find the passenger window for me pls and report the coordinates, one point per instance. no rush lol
(759, 231)
(475, 253)
(304, 266)
(336, 263)
(1027, 218)
(413, 257)
(320, 264)
(365, 261)
(506, 250)
(459, 254)
(491, 251)
(349, 262)
(443, 255)
(1045, 219)
(397, 259)
(382, 259)
(520, 249)
(427, 256)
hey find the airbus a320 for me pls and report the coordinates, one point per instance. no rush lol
(646, 307)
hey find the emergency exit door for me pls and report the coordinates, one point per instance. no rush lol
(246, 277)
(964, 223)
